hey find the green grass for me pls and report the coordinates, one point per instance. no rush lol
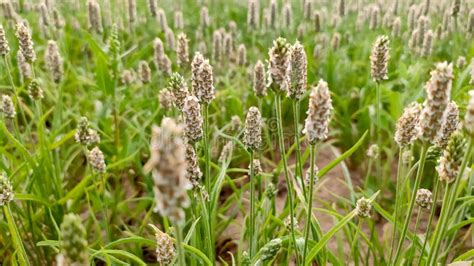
(51, 176)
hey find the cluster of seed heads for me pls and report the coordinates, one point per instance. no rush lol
(269, 251)
(54, 61)
(407, 128)
(95, 16)
(424, 198)
(7, 107)
(318, 115)
(363, 207)
(449, 126)
(253, 129)
(373, 151)
(144, 72)
(438, 91)
(192, 119)
(35, 90)
(24, 67)
(202, 79)
(85, 135)
(298, 68)
(259, 85)
(379, 59)
(226, 153)
(4, 47)
(6, 190)
(279, 65)
(168, 166)
(166, 99)
(23, 35)
(178, 87)
(257, 167)
(182, 50)
(74, 241)
(96, 160)
(165, 251)
(193, 172)
(450, 162)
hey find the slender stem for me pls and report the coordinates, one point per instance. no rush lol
(310, 200)
(397, 201)
(207, 227)
(440, 221)
(372, 232)
(17, 98)
(430, 220)
(104, 207)
(58, 116)
(299, 164)
(285, 168)
(354, 241)
(378, 132)
(448, 204)
(412, 250)
(206, 148)
(179, 245)
(367, 177)
(252, 242)
(419, 174)
(207, 167)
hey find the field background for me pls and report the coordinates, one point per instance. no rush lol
(49, 170)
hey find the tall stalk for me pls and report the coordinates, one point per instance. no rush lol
(378, 132)
(285, 168)
(207, 165)
(448, 205)
(299, 165)
(179, 245)
(310, 200)
(252, 242)
(397, 201)
(419, 174)
(17, 98)
(430, 220)
(412, 249)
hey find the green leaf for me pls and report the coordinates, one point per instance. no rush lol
(17, 243)
(30, 197)
(346, 154)
(64, 138)
(326, 237)
(122, 253)
(465, 256)
(77, 191)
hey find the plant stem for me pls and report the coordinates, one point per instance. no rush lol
(104, 207)
(448, 204)
(179, 245)
(310, 200)
(430, 220)
(378, 132)
(412, 250)
(252, 242)
(207, 227)
(58, 116)
(299, 165)
(354, 242)
(17, 98)
(397, 201)
(207, 167)
(419, 174)
(285, 168)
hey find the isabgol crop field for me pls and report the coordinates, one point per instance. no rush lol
(237, 132)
